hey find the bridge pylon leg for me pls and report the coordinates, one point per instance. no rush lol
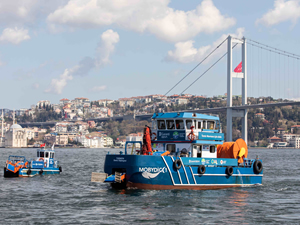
(241, 75)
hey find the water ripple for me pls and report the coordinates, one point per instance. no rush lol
(70, 198)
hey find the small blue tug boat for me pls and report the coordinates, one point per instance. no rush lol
(183, 151)
(18, 166)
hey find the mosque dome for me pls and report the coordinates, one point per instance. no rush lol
(15, 126)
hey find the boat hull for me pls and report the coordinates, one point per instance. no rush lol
(160, 172)
(24, 172)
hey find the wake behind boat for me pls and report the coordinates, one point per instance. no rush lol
(182, 151)
(18, 166)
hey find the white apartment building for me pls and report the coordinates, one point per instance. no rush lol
(93, 142)
(30, 133)
(108, 141)
(295, 142)
(43, 103)
(288, 137)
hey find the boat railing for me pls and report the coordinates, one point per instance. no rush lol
(16, 158)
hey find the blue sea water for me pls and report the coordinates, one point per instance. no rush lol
(71, 198)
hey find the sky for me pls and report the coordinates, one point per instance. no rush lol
(113, 49)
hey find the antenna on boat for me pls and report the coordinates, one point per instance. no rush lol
(52, 148)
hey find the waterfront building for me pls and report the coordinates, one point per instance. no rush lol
(280, 144)
(89, 141)
(16, 137)
(295, 142)
(274, 139)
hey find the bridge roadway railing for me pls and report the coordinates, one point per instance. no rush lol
(148, 116)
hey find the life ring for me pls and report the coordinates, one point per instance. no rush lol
(191, 136)
(41, 172)
(257, 166)
(28, 172)
(177, 164)
(201, 169)
(229, 170)
(153, 137)
(45, 164)
(41, 159)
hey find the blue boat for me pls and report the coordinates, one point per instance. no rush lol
(183, 151)
(19, 166)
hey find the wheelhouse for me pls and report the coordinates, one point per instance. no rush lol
(48, 154)
(187, 134)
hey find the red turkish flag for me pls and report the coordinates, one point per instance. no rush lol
(42, 145)
(238, 69)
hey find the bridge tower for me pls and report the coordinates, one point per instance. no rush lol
(243, 76)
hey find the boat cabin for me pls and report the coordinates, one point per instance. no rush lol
(47, 156)
(186, 134)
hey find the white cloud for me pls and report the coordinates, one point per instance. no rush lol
(14, 35)
(103, 52)
(106, 47)
(153, 16)
(282, 11)
(98, 88)
(35, 86)
(20, 12)
(57, 85)
(185, 52)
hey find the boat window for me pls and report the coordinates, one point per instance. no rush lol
(154, 125)
(189, 123)
(199, 124)
(42, 154)
(170, 124)
(47, 155)
(171, 148)
(210, 125)
(52, 155)
(38, 154)
(199, 151)
(161, 124)
(212, 149)
(179, 124)
(204, 124)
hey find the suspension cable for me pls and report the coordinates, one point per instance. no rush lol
(196, 66)
(206, 70)
(285, 52)
(277, 52)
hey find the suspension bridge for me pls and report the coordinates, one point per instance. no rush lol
(253, 69)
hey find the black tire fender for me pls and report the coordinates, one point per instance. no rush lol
(60, 169)
(41, 172)
(28, 172)
(177, 164)
(229, 170)
(201, 169)
(257, 166)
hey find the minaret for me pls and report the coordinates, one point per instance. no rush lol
(14, 117)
